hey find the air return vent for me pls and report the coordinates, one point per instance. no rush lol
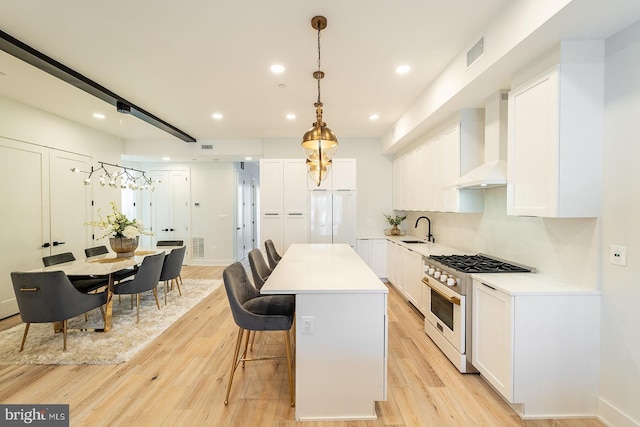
(475, 52)
(198, 247)
(207, 146)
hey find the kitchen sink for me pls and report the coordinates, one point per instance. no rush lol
(413, 241)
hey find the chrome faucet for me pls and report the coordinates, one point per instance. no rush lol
(430, 237)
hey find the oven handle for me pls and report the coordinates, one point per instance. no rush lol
(453, 300)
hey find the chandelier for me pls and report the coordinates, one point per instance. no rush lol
(122, 177)
(319, 143)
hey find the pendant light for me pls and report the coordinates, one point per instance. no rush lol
(319, 143)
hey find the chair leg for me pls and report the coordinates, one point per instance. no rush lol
(137, 308)
(155, 295)
(178, 282)
(246, 346)
(165, 291)
(253, 338)
(234, 363)
(24, 336)
(289, 367)
(64, 335)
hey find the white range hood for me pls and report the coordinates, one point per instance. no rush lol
(493, 172)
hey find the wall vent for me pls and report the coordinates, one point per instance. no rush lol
(207, 146)
(475, 52)
(197, 247)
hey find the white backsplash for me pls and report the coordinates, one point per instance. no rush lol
(563, 248)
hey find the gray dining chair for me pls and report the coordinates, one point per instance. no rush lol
(146, 279)
(83, 283)
(254, 312)
(49, 296)
(171, 270)
(272, 255)
(260, 271)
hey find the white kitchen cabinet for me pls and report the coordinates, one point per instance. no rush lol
(374, 252)
(538, 349)
(420, 175)
(393, 263)
(341, 176)
(555, 135)
(283, 202)
(412, 263)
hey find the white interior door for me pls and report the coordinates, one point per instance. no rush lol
(170, 205)
(70, 204)
(24, 191)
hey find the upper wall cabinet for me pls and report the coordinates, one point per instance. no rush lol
(341, 176)
(419, 176)
(555, 135)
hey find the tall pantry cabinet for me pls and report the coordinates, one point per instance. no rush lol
(283, 202)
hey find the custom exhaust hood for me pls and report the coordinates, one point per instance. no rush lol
(493, 172)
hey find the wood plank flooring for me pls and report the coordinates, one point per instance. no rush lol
(180, 380)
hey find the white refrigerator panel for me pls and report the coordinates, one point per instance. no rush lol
(332, 217)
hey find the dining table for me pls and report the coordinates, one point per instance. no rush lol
(105, 265)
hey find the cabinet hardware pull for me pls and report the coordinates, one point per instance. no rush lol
(29, 289)
(490, 287)
(295, 213)
(452, 300)
(273, 214)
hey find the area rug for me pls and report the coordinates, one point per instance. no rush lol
(125, 339)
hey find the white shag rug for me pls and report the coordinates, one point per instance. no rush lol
(125, 339)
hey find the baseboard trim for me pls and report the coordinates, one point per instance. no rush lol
(612, 416)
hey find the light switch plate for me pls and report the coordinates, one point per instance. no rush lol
(618, 255)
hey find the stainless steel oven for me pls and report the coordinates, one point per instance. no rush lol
(448, 304)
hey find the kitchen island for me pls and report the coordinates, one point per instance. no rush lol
(341, 331)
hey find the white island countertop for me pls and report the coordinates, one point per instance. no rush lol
(324, 268)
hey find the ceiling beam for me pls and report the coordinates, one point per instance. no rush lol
(26, 53)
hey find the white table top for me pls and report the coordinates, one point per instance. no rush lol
(532, 284)
(95, 266)
(322, 268)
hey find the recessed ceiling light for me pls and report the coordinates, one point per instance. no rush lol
(277, 68)
(291, 116)
(98, 116)
(166, 158)
(248, 158)
(374, 116)
(403, 69)
(216, 116)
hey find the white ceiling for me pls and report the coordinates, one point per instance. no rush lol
(183, 61)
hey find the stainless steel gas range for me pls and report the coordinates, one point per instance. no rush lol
(448, 305)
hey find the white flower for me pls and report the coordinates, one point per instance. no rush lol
(130, 231)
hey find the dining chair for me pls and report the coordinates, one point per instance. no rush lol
(170, 243)
(272, 255)
(83, 283)
(254, 312)
(146, 279)
(49, 296)
(171, 270)
(259, 268)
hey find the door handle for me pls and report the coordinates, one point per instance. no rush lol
(58, 243)
(46, 245)
(165, 229)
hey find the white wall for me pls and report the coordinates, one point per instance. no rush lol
(23, 123)
(373, 177)
(620, 354)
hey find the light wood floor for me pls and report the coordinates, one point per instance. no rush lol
(180, 379)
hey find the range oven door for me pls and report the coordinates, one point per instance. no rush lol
(445, 310)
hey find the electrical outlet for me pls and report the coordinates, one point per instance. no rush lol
(618, 255)
(307, 325)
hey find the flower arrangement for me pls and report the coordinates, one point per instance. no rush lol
(116, 224)
(395, 220)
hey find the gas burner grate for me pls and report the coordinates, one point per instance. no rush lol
(478, 264)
